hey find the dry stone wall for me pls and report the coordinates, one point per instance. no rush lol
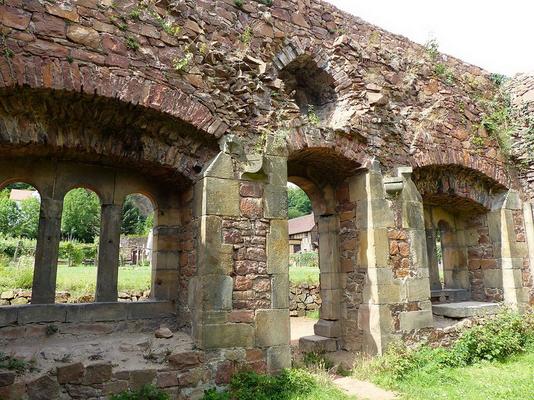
(304, 298)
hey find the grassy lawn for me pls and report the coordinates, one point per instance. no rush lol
(512, 379)
(77, 280)
(304, 275)
(494, 360)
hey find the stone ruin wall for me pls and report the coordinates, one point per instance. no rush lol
(168, 81)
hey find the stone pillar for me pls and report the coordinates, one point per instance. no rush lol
(108, 253)
(331, 293)
(528, 215)
(166, 246)
(511, 252)
(46, 252)
(216, 198)
(433, 267)
(396, 294)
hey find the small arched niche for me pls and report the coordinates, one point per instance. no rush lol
(312, 88)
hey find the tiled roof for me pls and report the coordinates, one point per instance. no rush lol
(301, 224)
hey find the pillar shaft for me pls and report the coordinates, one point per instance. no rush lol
(433, 267)
(108, 253)
(46, 252)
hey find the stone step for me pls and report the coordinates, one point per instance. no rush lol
(464, 309)
(317, 344)
(453, 295)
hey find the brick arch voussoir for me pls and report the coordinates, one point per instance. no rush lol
(43, 73)
(492, 169)
(295, 48)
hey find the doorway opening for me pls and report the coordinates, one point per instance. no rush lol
(304, 297)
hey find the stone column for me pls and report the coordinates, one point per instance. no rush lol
(396, 294)
(46, 252)
(216, 198)
(108, 253)
(528, 215)
(511, 251)
(165, 253)
(331, 292)
(433, 267)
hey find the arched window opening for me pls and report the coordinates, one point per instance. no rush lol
(78, 249)
(311, 87)
(305, 299)
(136, 247)
(20, 205)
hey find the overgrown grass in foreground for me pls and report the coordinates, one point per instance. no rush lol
(80, 280)
(490, 361)
(293, 384)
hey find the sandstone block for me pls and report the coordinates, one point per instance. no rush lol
(272, 327)
(227, 335)
(140, 378)
(43, 388)
(71, 373)
(186, 360)
(97, 373)
(7, 378)
(278, 358)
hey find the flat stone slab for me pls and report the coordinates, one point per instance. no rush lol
(464, 309)
(315, 343)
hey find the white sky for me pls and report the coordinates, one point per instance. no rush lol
(496, 35)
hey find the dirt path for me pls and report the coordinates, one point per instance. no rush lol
(363, 390)
(301, 326)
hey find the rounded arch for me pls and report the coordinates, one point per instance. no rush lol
(5, 182)
(457, 188)
(488, 169)
(97, 129)
(93, 80)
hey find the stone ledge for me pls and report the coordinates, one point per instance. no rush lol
(84, 312)
(465, 309)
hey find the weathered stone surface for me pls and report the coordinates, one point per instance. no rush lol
(186, 360)
(272, 327)
(97, 373)
(71, 373)
(465, 309)
(43, 388)
(7, 378)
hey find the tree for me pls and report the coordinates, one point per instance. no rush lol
(19, 219)
(81, 215)
(8, 214)
(133, 222)
(298, 203)
(28, 218)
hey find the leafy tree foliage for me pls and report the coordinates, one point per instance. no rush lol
(298, 203)
(81, 216)
(18, 219)
(133, 222)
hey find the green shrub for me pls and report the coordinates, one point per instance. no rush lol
(76, 252)
(23, 278)
(506, 334)
(499, 337)
(147, 392)
(16, 246)
(289, 384)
